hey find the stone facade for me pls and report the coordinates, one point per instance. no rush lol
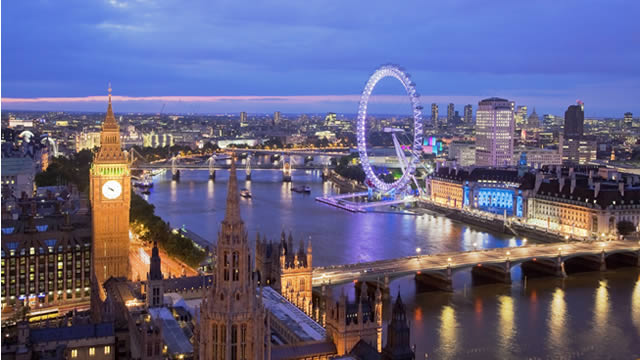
(287, 271)
(110, 192)
(232, 316)
(347, 323)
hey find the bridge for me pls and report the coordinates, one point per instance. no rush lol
(434, 271)
(210, 163)
(297, 151)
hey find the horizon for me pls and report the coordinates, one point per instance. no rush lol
(316, 58)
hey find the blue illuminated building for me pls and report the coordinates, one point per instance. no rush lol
(496, 191)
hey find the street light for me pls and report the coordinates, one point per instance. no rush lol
(524, 241)
(559, 251)
(449, 261)
(508, 254)
(418, 250)
(475, 246)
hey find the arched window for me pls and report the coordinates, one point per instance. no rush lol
(236, 264)
(234, 342)
(226, 266)
(243, 342)
(302, 284)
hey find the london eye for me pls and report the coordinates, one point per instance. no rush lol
(408, 145)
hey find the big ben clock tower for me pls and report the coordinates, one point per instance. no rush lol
(110, 192)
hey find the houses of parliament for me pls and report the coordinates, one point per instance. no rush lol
(254, 305)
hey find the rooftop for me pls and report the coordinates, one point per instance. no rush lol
(172, 333)
(74, 332)
(295, 319)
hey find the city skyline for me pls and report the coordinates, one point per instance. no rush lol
(313, 58)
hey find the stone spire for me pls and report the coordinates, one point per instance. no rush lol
(110, 118)
(398, 334)
(232, 214)
(110, 147)
(155, 271)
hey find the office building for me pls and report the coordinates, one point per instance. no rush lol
(434, 115)
(520, 116)
(494, 133)
(243, 119)
(574, 121)
(628, 120)
(46, 256)
(468, 114)
(450, 114)
(276, 118)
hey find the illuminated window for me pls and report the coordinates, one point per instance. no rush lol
(107, 350)
(92, 351)
(74, 353)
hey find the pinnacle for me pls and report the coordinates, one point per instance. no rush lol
(232, 214)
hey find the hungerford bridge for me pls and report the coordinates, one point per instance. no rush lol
(493, 265)
(212, 163)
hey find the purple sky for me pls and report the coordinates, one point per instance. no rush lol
(315, 56)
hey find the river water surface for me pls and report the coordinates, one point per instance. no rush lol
(584, 316)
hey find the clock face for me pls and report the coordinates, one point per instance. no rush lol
(111, 189)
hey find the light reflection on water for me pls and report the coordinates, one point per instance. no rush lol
(448, 332)
(558, 322)
(582, 317)
(635, 306)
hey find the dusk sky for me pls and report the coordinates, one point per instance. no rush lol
(315, 56)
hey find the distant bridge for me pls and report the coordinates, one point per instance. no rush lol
(216, 162)
(493, 264)
(298, 151)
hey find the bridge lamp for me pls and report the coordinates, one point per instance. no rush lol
(508, 254)
(418, 250)
(559, 251)
(524, 241)
(449, 261)
(475, 246)
(566, 237)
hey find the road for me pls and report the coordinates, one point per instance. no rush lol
(140, 266)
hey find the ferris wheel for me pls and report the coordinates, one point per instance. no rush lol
(407, 144)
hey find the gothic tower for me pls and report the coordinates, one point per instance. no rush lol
(398, 335)
(347, 322)
(155, 285)
(110, 194)
(232, 316)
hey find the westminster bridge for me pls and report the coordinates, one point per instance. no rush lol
(493, 265)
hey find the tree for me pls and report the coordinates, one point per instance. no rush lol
(625, 227)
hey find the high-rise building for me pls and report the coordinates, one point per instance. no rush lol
(494, 132)
(450, 113)
(628, 120)
(574, 121)
(434, 115)
(276, 118)
(110, 194)
(520, 116)
(232, 315)
(243, 119)
(468, 114)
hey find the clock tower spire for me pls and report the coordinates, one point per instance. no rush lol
(110, 193)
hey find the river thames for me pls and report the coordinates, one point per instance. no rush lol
(583, 316)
